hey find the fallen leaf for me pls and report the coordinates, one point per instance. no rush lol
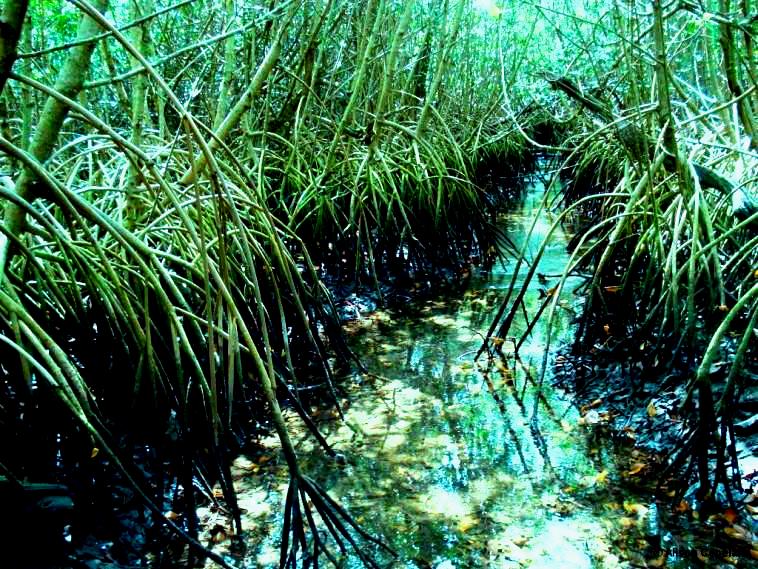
(497, 342)
(607, 328)
(651, 410)
(704, 558)
(614, 288)
(659, 561)
(520, 541)
(466, 523)
(723, 308)
(754, 553)
(682, 507)
(730, 515)
(738, 532)
(95, 452)
(636, 468)
(627, 522)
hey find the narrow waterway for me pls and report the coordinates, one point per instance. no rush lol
(458, 463)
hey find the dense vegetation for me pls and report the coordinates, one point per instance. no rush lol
(180, 180)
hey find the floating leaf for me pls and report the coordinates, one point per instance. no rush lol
(612, 289)
(651, 410)
(95, 452)
(636, 468)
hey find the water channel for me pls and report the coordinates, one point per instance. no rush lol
(458, 463)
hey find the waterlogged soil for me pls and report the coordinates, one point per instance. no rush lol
(457, 462)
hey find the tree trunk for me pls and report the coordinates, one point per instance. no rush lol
(14, 13)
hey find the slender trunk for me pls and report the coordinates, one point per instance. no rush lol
(714, 85)
(389, 75)
(238, 111)
(230, 65)
(14, 14)
(665, 115)
(726, 38)
(143, 43)
(27, 95)
(358, 80)
(439, 72)
(121, 95)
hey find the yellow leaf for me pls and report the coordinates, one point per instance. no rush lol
(494, 11)
(95, 452)
(520, 540)
(612, 288)
(651, 410)
(627, 523)
(737, 532)
(723, 308)
(466, 523)
(607, 328)
(636, 468)
(659, 561)
(497, 342)
(754, 554)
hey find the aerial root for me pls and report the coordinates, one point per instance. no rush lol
(306, 498)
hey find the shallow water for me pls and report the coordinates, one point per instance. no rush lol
(457, 463)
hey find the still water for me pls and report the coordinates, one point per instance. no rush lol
(455, 462)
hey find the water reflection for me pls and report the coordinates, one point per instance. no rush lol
(457, 463)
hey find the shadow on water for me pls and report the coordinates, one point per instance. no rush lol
(459, 463)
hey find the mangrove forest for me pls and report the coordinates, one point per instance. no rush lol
(434, 284)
